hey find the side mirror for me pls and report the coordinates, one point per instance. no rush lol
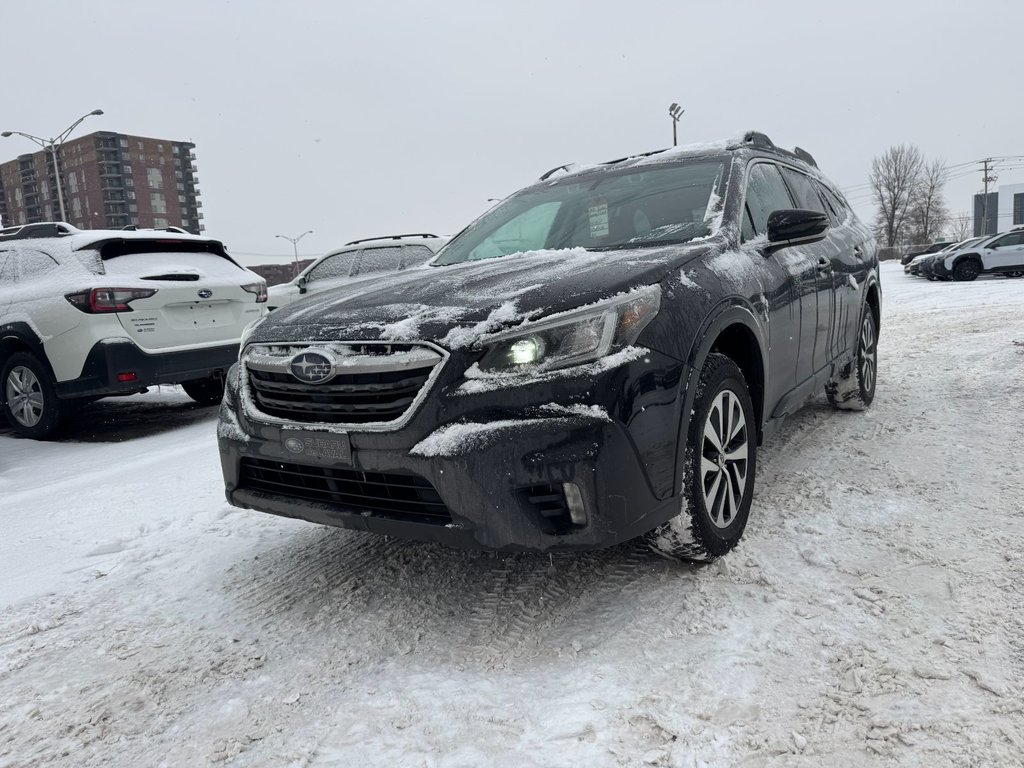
(301, 283)
(795, 227)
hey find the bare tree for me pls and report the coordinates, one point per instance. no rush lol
(895, 177)
(928, 212)
(960, 227)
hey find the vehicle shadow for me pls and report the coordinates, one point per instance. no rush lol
(119, 419)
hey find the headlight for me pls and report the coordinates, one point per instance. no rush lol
(247, 332)
(573, 338)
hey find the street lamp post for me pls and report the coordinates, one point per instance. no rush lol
(53, 145)
(676, 112)
(295, 247)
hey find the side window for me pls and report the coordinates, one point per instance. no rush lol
(803, 191)
(32, 264)
(337, 265)
(766, 192)
(1013, 239)
(415, 255)
(371, 260)
(831, 204)
(6, 268)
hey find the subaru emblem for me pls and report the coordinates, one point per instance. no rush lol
(312, 367)
(294, 445)
(205, 293)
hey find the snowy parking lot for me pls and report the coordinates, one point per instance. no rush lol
(871, 615)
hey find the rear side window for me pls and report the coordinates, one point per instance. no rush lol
(803, 191)
(372, 260)
(6, 268)
(766, 192)
(337, 265)
(32, 264)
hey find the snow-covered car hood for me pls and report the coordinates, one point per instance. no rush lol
(481, 297)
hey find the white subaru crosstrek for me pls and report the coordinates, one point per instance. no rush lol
(358, 261)
(86, 314)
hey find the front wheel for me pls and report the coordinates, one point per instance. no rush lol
(205, 391)
(967, 270)
(718, 468)
(30, 400)
(856, 391)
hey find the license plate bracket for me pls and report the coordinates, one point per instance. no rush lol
(322, 447)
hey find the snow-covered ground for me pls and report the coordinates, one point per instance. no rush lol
(871, 616)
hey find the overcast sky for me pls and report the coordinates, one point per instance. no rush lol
(363, 119)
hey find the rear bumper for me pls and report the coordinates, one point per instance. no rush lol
(111, 357)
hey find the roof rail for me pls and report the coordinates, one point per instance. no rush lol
(134, 228)
(389, 237)
(758, 139)
(804, 155)
(555, 170)
(42, 229)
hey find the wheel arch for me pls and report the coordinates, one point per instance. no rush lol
(19, 337)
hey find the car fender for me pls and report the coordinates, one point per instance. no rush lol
(956, 258)
(23, 335)
(731, 311)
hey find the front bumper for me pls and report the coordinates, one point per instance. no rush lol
(938, 269)
(483, 488)
(111, 357)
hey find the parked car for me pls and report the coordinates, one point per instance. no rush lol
(597, 357)
(358, 261)
(914, 252)
(913, 267)
(1001, 254)
(87, 314)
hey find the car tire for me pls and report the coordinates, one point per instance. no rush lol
(718, 480)
(967, 270)
(208, 391)
(29, 398)
(857, 390)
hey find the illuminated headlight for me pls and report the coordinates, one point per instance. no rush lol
(573, 338)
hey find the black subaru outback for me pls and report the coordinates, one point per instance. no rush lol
(596, 358)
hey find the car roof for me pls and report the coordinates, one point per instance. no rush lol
(75, 239)
(749, 142)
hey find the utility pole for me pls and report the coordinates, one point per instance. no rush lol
(986, 177)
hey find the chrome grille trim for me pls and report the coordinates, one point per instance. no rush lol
(355, 357)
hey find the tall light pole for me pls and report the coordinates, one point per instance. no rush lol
(53, 145)
(676, 112)
(295, 247)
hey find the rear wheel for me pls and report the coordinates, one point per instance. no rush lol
(718, 468)
(967, 270)
(205, 391)
(30, 400)
(857, 390)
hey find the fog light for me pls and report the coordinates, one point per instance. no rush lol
(127, 376)
(574, 500)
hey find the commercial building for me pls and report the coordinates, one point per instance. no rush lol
(1002, 210)
(109, 181)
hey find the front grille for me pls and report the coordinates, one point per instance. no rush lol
(395, 495)
(373, 383)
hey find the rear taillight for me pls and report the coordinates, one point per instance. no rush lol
(260, 289)
(100, 300)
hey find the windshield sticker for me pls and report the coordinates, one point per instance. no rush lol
(598, 213)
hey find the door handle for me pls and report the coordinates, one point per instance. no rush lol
(824, 265)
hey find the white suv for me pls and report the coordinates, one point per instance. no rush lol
(358, 261)
(87, 314)
(1000, 254)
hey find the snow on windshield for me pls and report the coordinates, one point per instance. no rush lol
(631, 208)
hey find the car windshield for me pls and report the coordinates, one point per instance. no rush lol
(636, 208)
